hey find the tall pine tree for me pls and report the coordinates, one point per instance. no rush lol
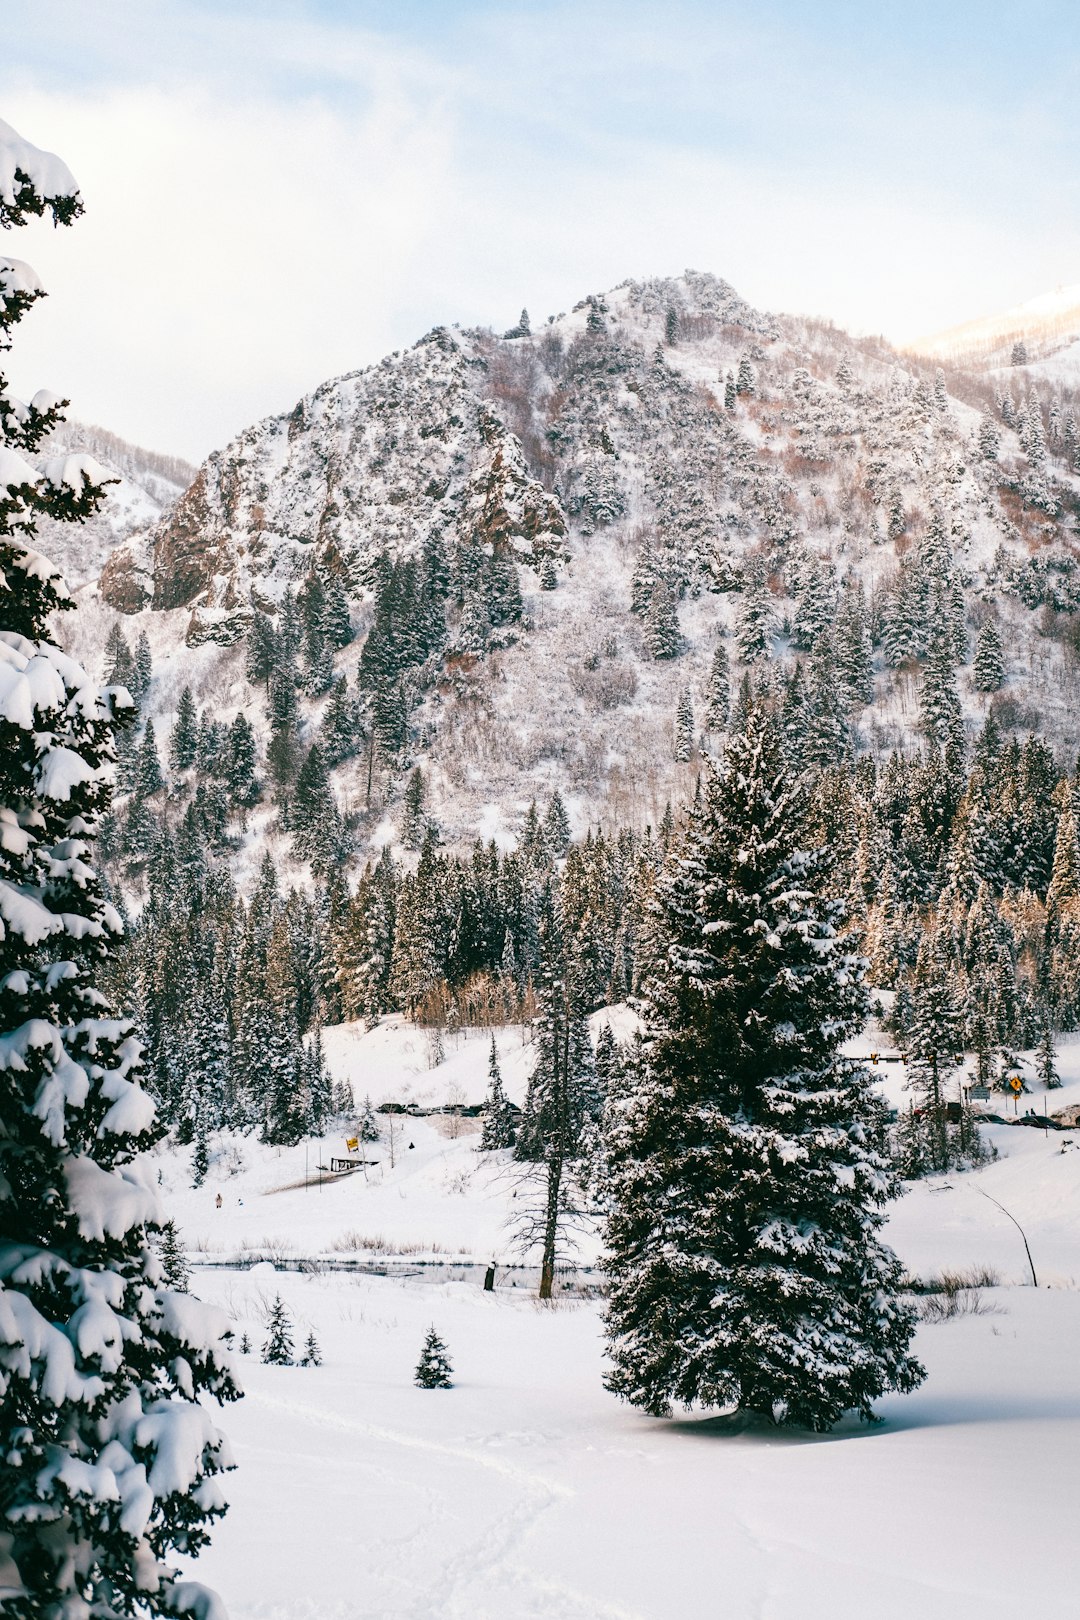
(743, 1252)
(109, 1457)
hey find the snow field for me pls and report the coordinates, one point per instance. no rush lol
(527, 1491)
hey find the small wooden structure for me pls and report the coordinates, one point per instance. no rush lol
(341, 1166)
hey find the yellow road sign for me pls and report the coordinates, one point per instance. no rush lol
(352, 1143)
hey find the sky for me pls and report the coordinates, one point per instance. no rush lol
(280, 192)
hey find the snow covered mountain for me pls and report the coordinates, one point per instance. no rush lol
(1046, 326)
(147, 485)
(664, 434)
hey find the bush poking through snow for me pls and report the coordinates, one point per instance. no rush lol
(312, 1356)
(433, 1369)
(958, 1293)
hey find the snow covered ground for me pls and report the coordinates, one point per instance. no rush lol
(526, 1491)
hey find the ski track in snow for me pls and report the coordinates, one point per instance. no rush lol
(487, 1562)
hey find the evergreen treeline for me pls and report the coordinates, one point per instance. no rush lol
(968, 874)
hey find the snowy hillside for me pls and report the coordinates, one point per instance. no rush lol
(147, 484)
(444, 1201)
(661, 438)
(1045, 325)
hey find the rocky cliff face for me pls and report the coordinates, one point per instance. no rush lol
(146, 486)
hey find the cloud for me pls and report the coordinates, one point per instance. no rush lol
(278, 195)
(230, 254)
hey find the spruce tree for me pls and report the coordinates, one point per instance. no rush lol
(498, 1129)
(336, 623)
(940, 711)
(174, 1261)
(556, 825)
(548, 576)
(367, 1126)
(743, 1252)
(278, 1349)
(754, 616)
(341, 732)
(240, 779)
(200, 1157)
(661, 632)
(934, 1039)
(413, 820)
(1045, 1060)
(684, 727)
(433, 1369)
(312, 1356)
(185, 733)
(119, 664)
(988, 670)
(261, 651)
(144, 668)
(109, 1457)
(148, 777)
(718, 691)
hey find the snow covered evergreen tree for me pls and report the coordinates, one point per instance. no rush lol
(367, 1126)
(663, 637)
(312, 1356)
(718, 690)
(754, 617)
(742, 1249)
(174, 1261)
(433, 1369)
(109, 1457)
(684, 727)
(278, 1349)
(988, 669)
(934, 1040)
(185, 733)
(413, 820)
(1046, 1069)
(498, 1129)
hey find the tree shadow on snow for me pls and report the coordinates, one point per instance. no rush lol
(924, 1409)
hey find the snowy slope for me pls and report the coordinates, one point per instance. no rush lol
(527, 1493)
(146, 485)
(443, 1199)
(1046, 323)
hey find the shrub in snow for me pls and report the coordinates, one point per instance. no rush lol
(433, 1369)
(110, 1460)
(312, 1356)
(278, 1349)
(743, 1252)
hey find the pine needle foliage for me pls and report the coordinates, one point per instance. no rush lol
(278, 1349)
(743, 1253)
(433, 1369)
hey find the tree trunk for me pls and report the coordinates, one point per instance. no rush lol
(556, 1158)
